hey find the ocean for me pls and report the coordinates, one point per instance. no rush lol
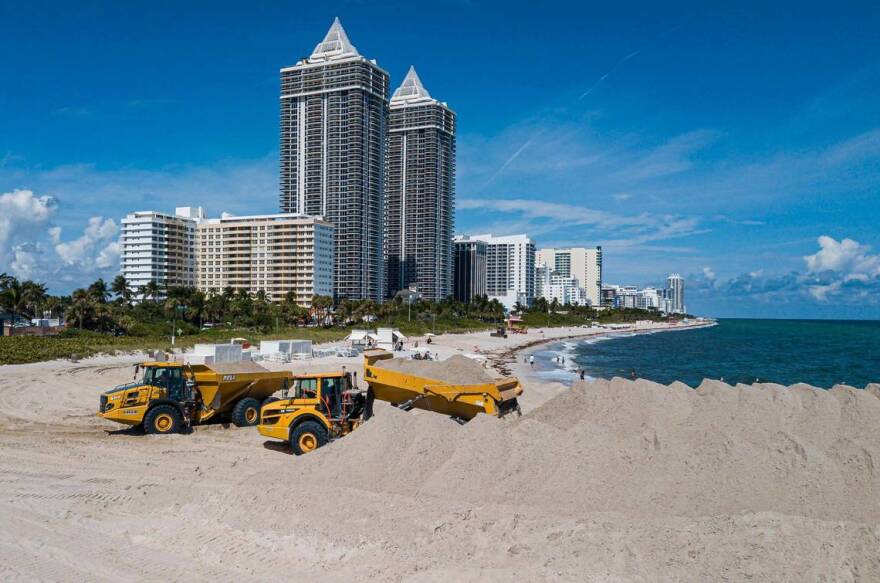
(821, 353)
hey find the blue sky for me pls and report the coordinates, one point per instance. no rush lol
(739, 145)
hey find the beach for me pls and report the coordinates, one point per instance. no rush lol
(606, 480)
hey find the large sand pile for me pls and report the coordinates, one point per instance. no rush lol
(611, 480)
(637, 447)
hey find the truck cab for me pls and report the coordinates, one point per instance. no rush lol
(317, 408)
(156, 383)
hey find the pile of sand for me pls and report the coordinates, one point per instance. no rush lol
(457, 369)
(638, 448)
(609, 481)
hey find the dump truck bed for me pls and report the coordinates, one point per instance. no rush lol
(223, 384)
(453, 388)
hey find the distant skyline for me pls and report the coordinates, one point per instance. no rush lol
(738, 146)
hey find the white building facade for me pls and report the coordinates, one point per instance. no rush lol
(675, 293)
(510, 268)
(582, 263)
(160, 248)
(566, 290)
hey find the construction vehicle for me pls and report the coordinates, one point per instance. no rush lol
(327, 406)
(170, 397)
(500, 332)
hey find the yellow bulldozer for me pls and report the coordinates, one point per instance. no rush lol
(169, 397)
(326, 406)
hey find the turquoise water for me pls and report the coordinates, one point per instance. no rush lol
(818, 352)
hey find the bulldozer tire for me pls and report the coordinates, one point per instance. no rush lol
(246, 412)
(308, 436)
(163, 419)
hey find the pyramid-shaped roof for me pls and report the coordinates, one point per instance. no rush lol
(411, 90)
(334, 46)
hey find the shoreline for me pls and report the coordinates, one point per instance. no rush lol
(509, 356)
(537, 389)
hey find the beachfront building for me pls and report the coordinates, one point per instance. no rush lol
(158, 248)
(632, 296)
(334, 112)
(552, 285)
(276, 254)
(469, 268)
(675, 294)
(510, 269)
(582, 263)
(420, 192)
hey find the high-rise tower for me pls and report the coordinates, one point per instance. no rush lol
(334, 111)
(420, 191)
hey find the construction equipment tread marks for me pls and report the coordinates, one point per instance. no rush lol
(246, 412)
(162, 419)
(308, 436)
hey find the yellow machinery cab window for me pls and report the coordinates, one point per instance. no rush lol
(306, 389)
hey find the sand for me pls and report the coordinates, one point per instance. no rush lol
(456, 370)
(606, 481)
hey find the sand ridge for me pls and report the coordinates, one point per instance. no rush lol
(612, 480)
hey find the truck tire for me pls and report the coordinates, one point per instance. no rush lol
(308, 436)
(368, 405)
(268, 400)
(246, 412)
(163, 419)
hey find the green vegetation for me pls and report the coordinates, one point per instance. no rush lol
(104, 319)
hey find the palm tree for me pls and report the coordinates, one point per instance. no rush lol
(35, 295)
(150, 290)
(14, 298)
(195, 307)
(121, 289)
(82, 307)
(99, 292)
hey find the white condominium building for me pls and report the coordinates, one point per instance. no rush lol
(159, 248)
(274, 253)
(581, 263)
(510, 268)
(566, 290)
(675, 294)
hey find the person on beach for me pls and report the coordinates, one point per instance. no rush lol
(582, 374)
(633, 374)
(532, 361)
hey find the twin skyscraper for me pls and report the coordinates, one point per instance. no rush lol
(381, 169)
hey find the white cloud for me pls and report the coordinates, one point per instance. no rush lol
(97, 235)
(843, 272)
(32, 246)
(847, 257)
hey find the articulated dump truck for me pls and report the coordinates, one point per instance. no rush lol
(172, 396)
(326, 406)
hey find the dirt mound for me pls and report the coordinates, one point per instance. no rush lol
(457, 369)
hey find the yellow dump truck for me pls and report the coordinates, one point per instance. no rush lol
(168, 397)
(327, 406)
